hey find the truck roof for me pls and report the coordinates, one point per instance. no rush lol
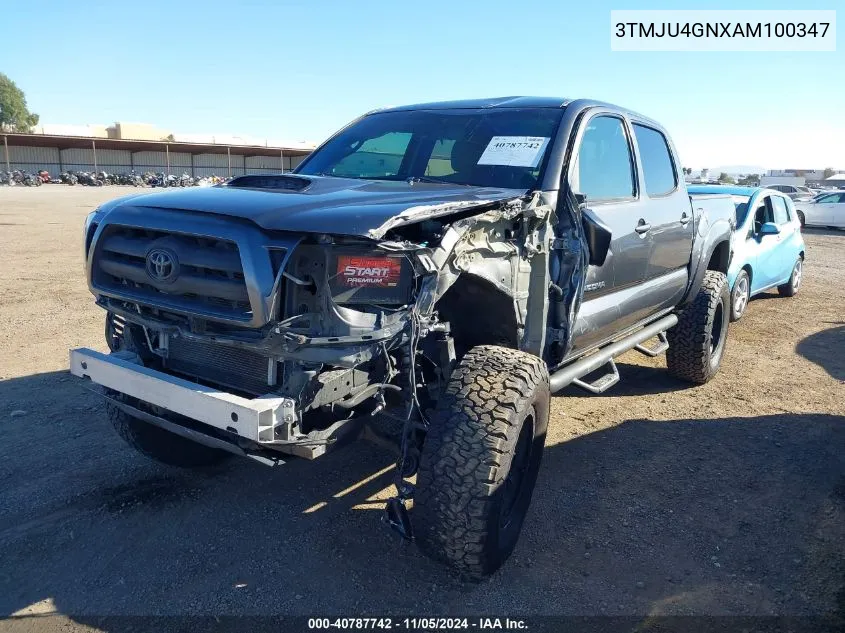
(490, 102)
(519, 101)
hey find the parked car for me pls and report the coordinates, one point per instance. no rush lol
(441, 269)
(826, 209)
(767, 244)
(795, 192)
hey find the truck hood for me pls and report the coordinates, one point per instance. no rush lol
(341, 206)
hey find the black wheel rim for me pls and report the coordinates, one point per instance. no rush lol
(518, 473)
(716, 333)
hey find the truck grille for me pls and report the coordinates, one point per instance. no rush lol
(223, 365)
(172, 270)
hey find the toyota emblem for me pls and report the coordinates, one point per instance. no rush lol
(162, 265)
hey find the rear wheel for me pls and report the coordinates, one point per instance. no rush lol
(790, 289)
(697, 342)
(480, 459)
(740, 295)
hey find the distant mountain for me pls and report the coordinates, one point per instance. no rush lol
(735, 170)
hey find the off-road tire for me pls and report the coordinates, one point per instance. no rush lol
(160, 445)
(790, 288)
(697, 342)
(470, 503)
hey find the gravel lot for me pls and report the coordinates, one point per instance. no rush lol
(656, 498)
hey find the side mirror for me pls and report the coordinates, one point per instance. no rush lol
(598, 237)
(769, 228)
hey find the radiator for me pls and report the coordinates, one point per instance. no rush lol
(222, 365)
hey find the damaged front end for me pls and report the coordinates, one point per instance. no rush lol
(336, 329)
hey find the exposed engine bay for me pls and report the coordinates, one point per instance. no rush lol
(356, 326)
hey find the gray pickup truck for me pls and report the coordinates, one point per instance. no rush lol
(431, 274)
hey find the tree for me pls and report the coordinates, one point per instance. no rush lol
(829, 172)
(14, 114)
(751, 180)
(724, 177)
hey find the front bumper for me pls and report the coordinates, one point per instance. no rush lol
(263, 420)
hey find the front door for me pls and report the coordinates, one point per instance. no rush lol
(763, 253)
(603, 172)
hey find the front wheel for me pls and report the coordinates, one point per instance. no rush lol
(802, 220)
(480, 459)
(740, 295)
(790, 289)
(162, 446)
(697, 341)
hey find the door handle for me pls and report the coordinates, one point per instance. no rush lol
(642, 227)
(685, 218)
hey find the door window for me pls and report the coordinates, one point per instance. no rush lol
(658, 169)
(604, 168)
(762, 214)
(781, 216)
(832, 198)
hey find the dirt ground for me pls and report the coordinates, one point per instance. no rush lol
(655, 498)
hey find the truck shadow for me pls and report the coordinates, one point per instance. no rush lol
(739, 515)
(826, 349)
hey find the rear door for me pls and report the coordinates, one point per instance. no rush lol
(832, 210)
(671, 212)
(837, 212)
(786, 246)
(604, 172)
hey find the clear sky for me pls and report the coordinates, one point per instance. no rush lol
(299, 70)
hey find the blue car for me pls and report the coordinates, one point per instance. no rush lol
(768, 250)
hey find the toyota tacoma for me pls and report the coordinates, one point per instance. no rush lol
(431, 275)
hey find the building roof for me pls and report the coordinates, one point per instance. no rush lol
(87, 142)
(837, 177)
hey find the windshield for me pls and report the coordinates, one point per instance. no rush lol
(495, 148)
(741, 206)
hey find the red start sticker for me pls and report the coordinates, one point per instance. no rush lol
(360, 272)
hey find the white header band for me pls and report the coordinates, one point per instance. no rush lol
(711, 31)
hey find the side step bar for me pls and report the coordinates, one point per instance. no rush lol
(602, 384)
(657, 350)
(567, 375)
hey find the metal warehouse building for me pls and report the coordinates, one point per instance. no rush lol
(34, 152)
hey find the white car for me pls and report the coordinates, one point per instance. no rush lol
(827, 209)
(796, 192)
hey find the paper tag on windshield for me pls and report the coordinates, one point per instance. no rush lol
(514, 151)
